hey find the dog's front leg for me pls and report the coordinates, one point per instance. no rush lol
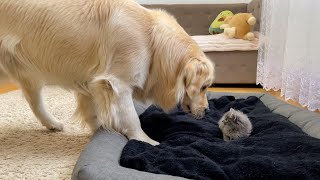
(130, 122)
(115, 109)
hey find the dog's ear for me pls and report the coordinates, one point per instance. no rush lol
(192, 71)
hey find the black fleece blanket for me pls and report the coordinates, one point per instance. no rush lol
(190, 148)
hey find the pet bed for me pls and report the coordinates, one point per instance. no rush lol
(100, 159)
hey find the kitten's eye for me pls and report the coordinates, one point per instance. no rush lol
(237, 121)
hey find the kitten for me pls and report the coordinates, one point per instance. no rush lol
(235, 124)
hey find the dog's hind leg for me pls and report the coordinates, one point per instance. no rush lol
(15, 65)
(115, 109)
(85, 111)
(32, 93)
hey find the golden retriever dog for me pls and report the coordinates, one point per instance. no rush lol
(109, 52)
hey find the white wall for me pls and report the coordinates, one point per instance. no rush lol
(191, 1)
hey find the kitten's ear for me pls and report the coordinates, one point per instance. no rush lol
(232, 111)
(231, 115)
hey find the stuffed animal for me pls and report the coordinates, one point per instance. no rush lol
(239, 26)
(215, 25)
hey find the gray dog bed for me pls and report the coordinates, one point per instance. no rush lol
(100, 159)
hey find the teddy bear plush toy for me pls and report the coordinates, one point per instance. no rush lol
(239, 26)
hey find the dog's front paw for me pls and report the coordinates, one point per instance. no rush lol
(145, 138)
(153, 143)
(149, 141)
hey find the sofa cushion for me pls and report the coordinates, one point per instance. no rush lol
(219, 42)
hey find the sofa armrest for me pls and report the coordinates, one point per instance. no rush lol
(254, 7)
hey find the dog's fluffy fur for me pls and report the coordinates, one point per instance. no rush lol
(109, 52)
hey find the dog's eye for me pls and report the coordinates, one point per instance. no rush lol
(203, 88)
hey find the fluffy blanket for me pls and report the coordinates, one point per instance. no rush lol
(190, 148)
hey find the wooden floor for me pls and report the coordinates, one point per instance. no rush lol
(7, 87)
(10, 87)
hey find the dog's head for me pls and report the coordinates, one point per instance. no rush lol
(188, 87)
(197, 76)
(180, 69)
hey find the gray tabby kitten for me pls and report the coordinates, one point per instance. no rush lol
(235, 124)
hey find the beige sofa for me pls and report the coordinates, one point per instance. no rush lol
(232, 67)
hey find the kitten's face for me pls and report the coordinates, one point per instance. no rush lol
(231, 117)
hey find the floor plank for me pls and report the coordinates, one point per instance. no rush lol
(7, 88)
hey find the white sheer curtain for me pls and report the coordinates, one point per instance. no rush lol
(289, 55)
